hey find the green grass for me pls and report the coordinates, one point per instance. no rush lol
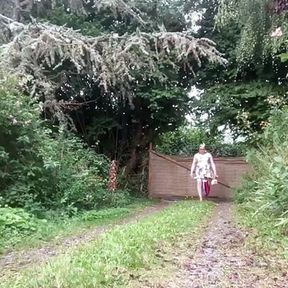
(264, 236)
(55, 229)
(110, 260)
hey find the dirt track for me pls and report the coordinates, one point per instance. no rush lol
(223, 260)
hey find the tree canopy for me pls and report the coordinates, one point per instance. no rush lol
(238, 96)
(119, 80)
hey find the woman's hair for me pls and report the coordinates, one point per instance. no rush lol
(202, 146)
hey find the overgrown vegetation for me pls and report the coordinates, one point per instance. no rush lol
(119, 254)
(256, 46)
(264, 237)
(20, 229)
(42, 169)
(263, 194)
(242, 95)
(46, 171)
(117, 87)
(265, 189)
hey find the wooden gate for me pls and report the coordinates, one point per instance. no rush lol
(169, 176)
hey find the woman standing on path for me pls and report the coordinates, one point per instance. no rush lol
(203, 167)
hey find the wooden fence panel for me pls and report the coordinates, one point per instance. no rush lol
(169, 176)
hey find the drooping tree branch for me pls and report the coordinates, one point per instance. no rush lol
(46, 54)
(256, 19)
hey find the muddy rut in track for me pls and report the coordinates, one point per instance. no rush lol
(223, 260)
(17, 260)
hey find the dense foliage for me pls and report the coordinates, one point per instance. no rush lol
(185, 141)
(242, 107)
(265, 190)
(254, 81)
(118, 86)
(261, 55)
(42, 169)
(257, 19)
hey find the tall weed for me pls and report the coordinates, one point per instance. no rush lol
(265, 191)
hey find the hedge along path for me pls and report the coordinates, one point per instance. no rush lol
(15, 261)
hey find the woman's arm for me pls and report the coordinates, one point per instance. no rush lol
(213, 166)
(193, 166)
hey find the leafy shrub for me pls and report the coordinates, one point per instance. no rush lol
(16, 224)
(19, 162)
(265, 191)
(79, 174)
(40, 169)
(120, 198)
(16, 220)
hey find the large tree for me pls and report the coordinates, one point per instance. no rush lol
(119, 90)
(242, 94)
(257, 20)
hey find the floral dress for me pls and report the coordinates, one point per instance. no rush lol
(203, 166)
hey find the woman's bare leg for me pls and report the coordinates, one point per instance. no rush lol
(199, 188)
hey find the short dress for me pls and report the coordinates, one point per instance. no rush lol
(203, 166)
